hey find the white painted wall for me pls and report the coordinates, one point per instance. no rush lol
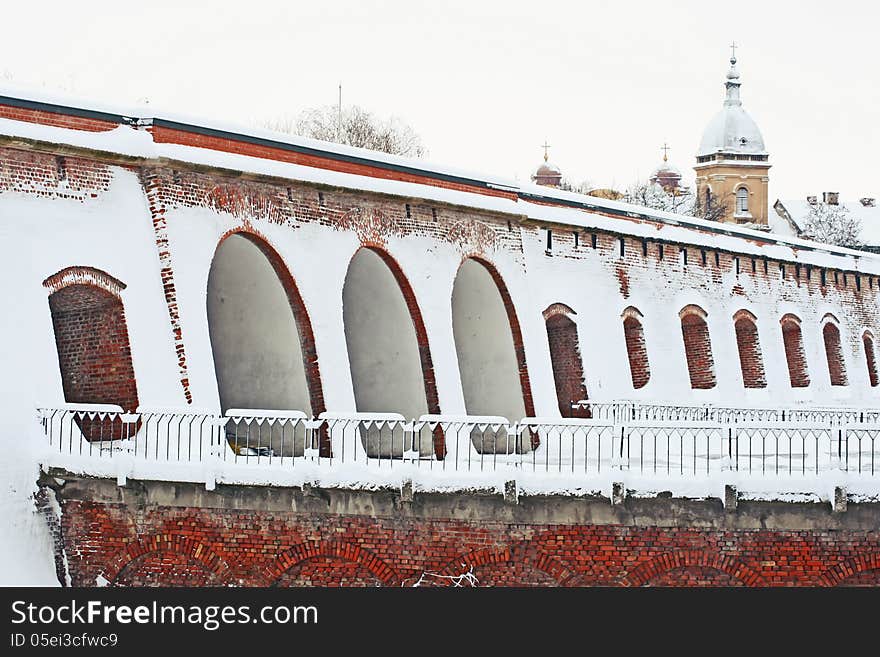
(254, 337)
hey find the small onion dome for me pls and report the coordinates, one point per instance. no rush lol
(667, 176)
(548, 174)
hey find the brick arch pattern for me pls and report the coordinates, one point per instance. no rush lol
(518, 560)
(870, 357)
(697, 347)
(636, 349)
(516, 332)
(323, 551)
(301, 318)
(427, 363)
(654, 569)
(93, 347)
(834, 351)
(748, 344)
(864, 563)
(793, 341)
(217, 570)
(565, 359)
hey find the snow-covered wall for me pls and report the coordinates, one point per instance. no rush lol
(276, 323)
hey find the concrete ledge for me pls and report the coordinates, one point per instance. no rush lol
(484, 506)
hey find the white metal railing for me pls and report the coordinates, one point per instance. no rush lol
(635, 439)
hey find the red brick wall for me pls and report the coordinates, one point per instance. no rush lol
(565, 356)
(639, 367)
(93, 348)
(94, 355)
(870, 359)
(698, 349)
(794, 352)
(193, 546)
(836, 365)
(750, 359)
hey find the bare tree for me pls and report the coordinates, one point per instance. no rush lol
(654, 196)
(710, 208)
(833, 224)
(582, 187)
(354, 126)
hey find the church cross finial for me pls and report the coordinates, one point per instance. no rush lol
(545, 146)
(733, 47)
(665, 148)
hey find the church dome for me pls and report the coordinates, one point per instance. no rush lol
(548, 174)
(732, 130)
(548, 169)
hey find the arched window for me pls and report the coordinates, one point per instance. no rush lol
(565, 358)
(870, 358)
(751, 361)
(833, 351)
(742, 201)
(697, 347)
(793, 342)
(634, 334)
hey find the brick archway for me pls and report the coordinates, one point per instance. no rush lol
(665, 563)
(297, 554)
(175, 544)
(300, 316)
(548, 565)
(860, 564)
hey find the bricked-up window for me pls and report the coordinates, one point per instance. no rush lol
(870, 358)
(751, 361)
(793, 342)
(565, 358)
(697, 347)
(833, 352)
(637, 351)
(94, 354)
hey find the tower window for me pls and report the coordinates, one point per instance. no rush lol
(742, 201)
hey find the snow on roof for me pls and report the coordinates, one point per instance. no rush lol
(128, 140)
(799, 210)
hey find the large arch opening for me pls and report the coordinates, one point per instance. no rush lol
(565, 359)
(388, 353)
(94, 353)
(488, 343)
(262, 341)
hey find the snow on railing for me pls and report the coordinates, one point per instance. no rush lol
(283, 447)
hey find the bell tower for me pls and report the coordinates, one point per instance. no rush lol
(732, 162)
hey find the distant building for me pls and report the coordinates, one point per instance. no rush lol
(791, 216)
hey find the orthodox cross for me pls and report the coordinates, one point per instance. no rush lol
(545, 146)
(665, 150)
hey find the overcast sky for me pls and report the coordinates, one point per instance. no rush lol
(485, 83)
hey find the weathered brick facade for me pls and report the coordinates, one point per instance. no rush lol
(136, 544)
